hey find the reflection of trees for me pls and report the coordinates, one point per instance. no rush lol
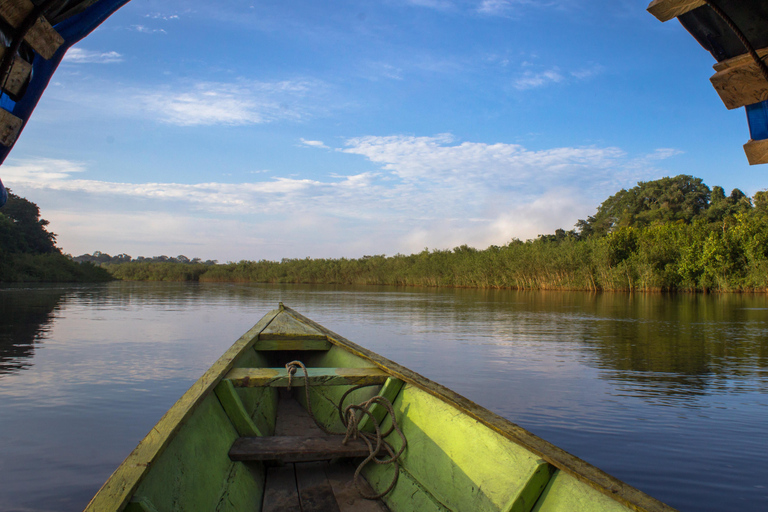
(25, 316)
(679, 345)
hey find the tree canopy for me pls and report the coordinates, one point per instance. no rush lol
(682, 199)
(22, 230)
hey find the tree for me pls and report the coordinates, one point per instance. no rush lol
(24, 230)
(681, 198)
(761, 201)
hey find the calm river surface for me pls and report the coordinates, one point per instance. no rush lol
(669, 393)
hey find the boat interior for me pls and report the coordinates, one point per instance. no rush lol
(245, 437)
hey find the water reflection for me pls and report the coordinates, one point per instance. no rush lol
(683, 346)
(25, 319)
(666, 392)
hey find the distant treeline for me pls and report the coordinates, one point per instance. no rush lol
(99, 257)
(668, 234)
(28, 251)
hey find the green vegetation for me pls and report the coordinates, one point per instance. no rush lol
(28, 251)
(662, 235)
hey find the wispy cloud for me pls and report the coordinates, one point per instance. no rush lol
(554, 75)
(162, 16)
(148, 30)
(428, 191)
(314, 143)
(82, 56)
(532, 80)
(222, 103)
(196, 103)
(494, 7)
(587, 72)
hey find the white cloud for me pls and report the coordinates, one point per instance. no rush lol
(40, 170)
(194, 103)
(161, 16)
(314, 143)
(81, 56)
(223, 103)
(147, 30)
(494, 7)
(428, 191)
(531, 80)
(438, 159)
(534, 80)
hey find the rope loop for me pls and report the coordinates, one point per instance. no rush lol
(351, 416)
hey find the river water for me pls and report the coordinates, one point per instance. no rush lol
(666, 392)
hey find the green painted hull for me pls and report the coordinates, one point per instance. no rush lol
(459, 456)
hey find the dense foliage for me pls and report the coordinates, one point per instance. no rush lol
(668, 234)
(99, 257)
(28, 250)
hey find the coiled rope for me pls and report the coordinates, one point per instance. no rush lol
(351, 420)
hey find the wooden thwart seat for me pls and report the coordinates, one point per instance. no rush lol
(278, 377)
(286, 449)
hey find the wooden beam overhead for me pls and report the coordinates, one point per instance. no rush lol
(739, 60)
(665, 10)
(739, 81)
(17, 77)
(42, 37)
(10, 126)
(757, 151)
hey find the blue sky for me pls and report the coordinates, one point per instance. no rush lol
(262, 130)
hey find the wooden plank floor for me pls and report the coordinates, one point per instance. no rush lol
(325, 486)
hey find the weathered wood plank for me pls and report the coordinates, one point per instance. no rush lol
(315, 492)
(291, 336)
(741, 85)
(285, 324)
(604, 483)
(341, 476)
(42, 37)
(235, 410)
(10, 126)
(272, 344)
(739, 60)
(757, 151)
(293, 420)
(278, 377)
(18, 75)
(116, 491)
(665, 10)
(296, 448)
(280, 492)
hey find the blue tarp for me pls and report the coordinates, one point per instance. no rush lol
(72, 28)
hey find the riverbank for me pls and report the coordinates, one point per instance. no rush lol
(49, 268)
(698, 257)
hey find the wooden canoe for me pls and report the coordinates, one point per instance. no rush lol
(239, 441)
